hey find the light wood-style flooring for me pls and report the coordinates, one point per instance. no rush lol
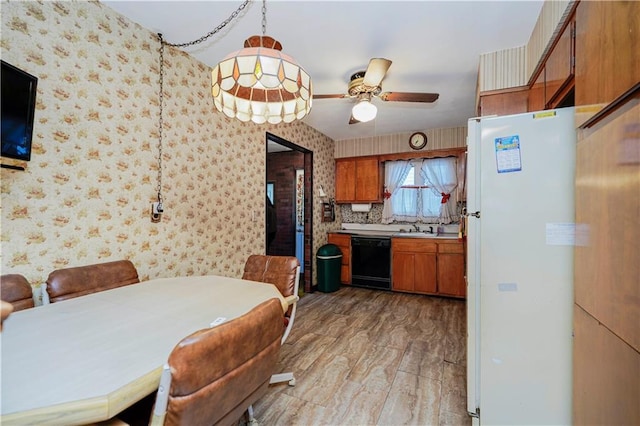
(371, 357)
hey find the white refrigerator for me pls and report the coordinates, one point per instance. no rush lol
(520, 238)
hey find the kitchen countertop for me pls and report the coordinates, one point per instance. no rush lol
(449, 232)
(389, 234)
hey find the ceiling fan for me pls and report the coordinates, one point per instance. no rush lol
(365, 85)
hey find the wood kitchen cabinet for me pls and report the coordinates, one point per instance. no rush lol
(606, 66)
(606, 351)
(343, 241)
(428, 266)
(559, 67)
(537, 93)
(359, 180)
(504, 101)
(413, 265)
(451, 268)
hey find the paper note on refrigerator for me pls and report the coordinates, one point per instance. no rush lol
(508, 154)
(561, 234)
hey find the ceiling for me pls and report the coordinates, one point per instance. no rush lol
(434, 45)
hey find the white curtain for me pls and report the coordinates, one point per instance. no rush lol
(441, 176)
(395, 172)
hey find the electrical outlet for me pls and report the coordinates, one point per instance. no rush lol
(156, 212)
(157, 208)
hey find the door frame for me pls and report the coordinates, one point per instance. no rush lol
(307, 279)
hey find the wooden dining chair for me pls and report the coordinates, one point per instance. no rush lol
(284, 273)
(15, 289)
(213, 375)
(67, 283)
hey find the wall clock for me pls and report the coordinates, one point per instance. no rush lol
(418, 140)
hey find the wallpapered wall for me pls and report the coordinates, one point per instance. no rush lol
(85, 196)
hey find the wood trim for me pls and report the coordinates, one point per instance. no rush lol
(436, 153)
(562, 92)
(503, 91)
(611, 107)
(359, 157)
(605, 374)
(557, 34)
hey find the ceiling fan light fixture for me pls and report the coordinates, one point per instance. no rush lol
(364, 110)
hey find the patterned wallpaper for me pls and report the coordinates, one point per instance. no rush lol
(85, 195)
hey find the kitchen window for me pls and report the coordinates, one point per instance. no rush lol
(421, 191)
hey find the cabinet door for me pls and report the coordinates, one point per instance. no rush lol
(537, 97)
(368, 186)
(345, 180)
(344, 243)
(402, 271)
(425, 278)
(559, 66)
(451, 274)
(504, 102)
(606, 67)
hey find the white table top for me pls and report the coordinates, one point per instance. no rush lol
(86, 359)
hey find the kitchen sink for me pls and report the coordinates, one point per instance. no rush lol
(424, 235)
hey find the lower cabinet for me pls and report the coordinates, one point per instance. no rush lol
(413, 265)
(428, 266)
(343, 241)
(451, 269)
(418, 265)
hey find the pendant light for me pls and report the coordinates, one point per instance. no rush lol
(259, 83)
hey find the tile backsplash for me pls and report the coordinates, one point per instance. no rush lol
(373, 216)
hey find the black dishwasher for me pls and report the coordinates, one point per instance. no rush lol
(371, 262)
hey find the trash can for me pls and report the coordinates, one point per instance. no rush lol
(329, 262)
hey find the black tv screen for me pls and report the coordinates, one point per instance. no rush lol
(18, 107)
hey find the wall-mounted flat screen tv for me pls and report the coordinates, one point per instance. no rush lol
(18, 93)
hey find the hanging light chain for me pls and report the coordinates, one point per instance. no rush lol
(264, 17)
(161, 80)
(160, 123)
(216, 29)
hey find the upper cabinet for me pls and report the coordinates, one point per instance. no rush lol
(537, 93)
(359, 180)
(554, 84)
(552, 87)
(592, 62)
(504, 102)
(559, 67)
(607, 59)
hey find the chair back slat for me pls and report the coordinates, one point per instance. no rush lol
(15, 289)
(217, 373)
(280, 271)
(78, 281)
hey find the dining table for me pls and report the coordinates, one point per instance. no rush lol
(84, 360)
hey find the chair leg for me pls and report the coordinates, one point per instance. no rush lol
(283, 377)
(251, 421)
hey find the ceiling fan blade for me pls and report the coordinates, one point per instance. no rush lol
(376, 71)
(352, 120)
(409, 97)
(336, 96)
